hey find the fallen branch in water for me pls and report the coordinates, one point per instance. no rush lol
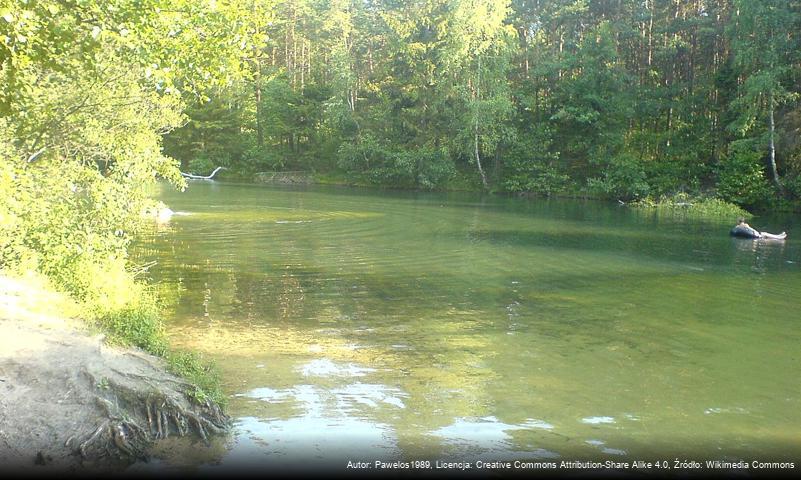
(201, 177)
(36, 154)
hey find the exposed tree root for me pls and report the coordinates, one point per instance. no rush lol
(71, 403)
(135, 418)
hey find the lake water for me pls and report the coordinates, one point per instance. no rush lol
(363, 325)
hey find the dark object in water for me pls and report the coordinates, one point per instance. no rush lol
(743, 231)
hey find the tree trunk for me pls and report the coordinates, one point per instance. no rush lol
(257, 86)
(478, 159)
(773, 147)
(477, 93)
(650, 32)
(259, 126)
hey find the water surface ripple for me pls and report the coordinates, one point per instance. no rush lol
(363, 325)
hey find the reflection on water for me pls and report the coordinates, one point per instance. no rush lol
(601, 445)
(326, 425)
(324, 367)
(488, 438)
(353, 326)
(597, 420)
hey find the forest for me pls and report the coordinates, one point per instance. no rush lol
(613, 99)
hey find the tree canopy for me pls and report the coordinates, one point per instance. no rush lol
(623, 99)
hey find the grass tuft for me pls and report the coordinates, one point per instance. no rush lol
(685, 205)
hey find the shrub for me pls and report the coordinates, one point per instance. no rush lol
(259, 159)
(530, 165)
(793, 185)
(202, 165)
(203, 376)
(684, 204)
(741, 179)
(371, 160)
(137, 325)
(623, 178)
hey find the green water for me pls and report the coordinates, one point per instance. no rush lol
(358, 325)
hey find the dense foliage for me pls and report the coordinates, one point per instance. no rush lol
(619, 98)
(89, 88)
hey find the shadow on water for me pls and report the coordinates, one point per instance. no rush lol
(715, 249)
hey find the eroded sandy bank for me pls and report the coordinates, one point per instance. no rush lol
(70, 402)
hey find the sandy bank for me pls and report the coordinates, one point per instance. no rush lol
(70, 402)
